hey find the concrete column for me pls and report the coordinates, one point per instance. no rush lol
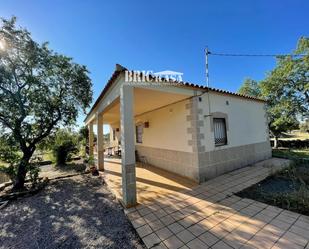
(127, 145)
(100, 142)
(90, 128)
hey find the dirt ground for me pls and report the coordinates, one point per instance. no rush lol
(75, 212)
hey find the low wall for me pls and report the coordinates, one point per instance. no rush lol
(220, 161)
(179, 162)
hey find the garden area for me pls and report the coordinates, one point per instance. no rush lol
(288, 188)
(63, 154)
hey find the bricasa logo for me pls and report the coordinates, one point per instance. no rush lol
(170, 75)
(167, 77)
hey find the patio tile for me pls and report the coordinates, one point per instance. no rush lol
(164, 233)
(176, 227)
(280, 224)
(160, 213)
(209, 238)
(221, 245)
(178, 215)
(156, 225)
(144, 231)
(151, 240)
(185, 236)
(173, 242)
(144, 211)
(160, 246)
(196, 229)
(299, 240)
(197, 244)
(150, 217)
(167, 220)
(184, 247)
(286, 218)
(303, 232)
(138, 222)
(133, 215)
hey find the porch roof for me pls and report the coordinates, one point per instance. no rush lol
(120, 69)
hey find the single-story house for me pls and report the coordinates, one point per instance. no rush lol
(190, 130)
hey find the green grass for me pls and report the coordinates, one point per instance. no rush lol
(291, 153)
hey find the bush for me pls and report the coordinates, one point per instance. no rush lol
(64, 146)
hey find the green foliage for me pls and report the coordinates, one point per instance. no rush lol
(40, 90)
(9, 156)
(250, 87)
(304, 127)
(34, 168)
(65, 144)
(286, 89)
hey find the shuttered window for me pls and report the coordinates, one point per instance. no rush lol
(139, 133)
(220, 131)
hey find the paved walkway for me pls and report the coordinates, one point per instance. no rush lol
(211, 216)
(152, 182)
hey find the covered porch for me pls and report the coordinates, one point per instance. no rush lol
(124, 106)
(151, 182)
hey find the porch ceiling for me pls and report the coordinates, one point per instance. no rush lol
(145, 100)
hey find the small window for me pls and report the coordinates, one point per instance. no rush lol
(220, 131)
(139, 133)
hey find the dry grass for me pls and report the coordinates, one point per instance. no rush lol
(294, 135)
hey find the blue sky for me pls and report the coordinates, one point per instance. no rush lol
(160, 35)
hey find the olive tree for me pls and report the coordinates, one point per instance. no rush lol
(40, 90)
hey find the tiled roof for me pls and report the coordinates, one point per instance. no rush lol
(119, 69)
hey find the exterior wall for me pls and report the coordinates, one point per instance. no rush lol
(247, 135)
(167, 128)
(180, 137)
(167, 143)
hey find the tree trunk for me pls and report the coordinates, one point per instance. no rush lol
(275, 142)
(22, 171)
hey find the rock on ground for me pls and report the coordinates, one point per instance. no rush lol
(76, 212)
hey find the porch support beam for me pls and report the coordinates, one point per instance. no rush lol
(127, 145)
(100, 142)
(90, 130)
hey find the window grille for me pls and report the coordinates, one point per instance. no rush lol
(220, 131)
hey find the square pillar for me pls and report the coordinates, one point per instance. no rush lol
(100, 142)
(90, 130)
(127, 145)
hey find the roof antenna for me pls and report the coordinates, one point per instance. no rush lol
(207, 52)
(207, 71)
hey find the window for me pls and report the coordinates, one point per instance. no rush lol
(114, 134)
(220, 131)
(139, 133)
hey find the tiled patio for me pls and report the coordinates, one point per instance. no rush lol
(152, 183)
(211, 216)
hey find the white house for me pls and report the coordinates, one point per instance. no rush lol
(191, 130)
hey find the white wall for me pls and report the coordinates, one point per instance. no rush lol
(246, 120)
(167, 128)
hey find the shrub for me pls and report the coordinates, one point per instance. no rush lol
(33, 169)
(64, 146)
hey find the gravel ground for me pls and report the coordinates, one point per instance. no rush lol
(76, 212)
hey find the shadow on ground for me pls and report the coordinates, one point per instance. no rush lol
(76, 212)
